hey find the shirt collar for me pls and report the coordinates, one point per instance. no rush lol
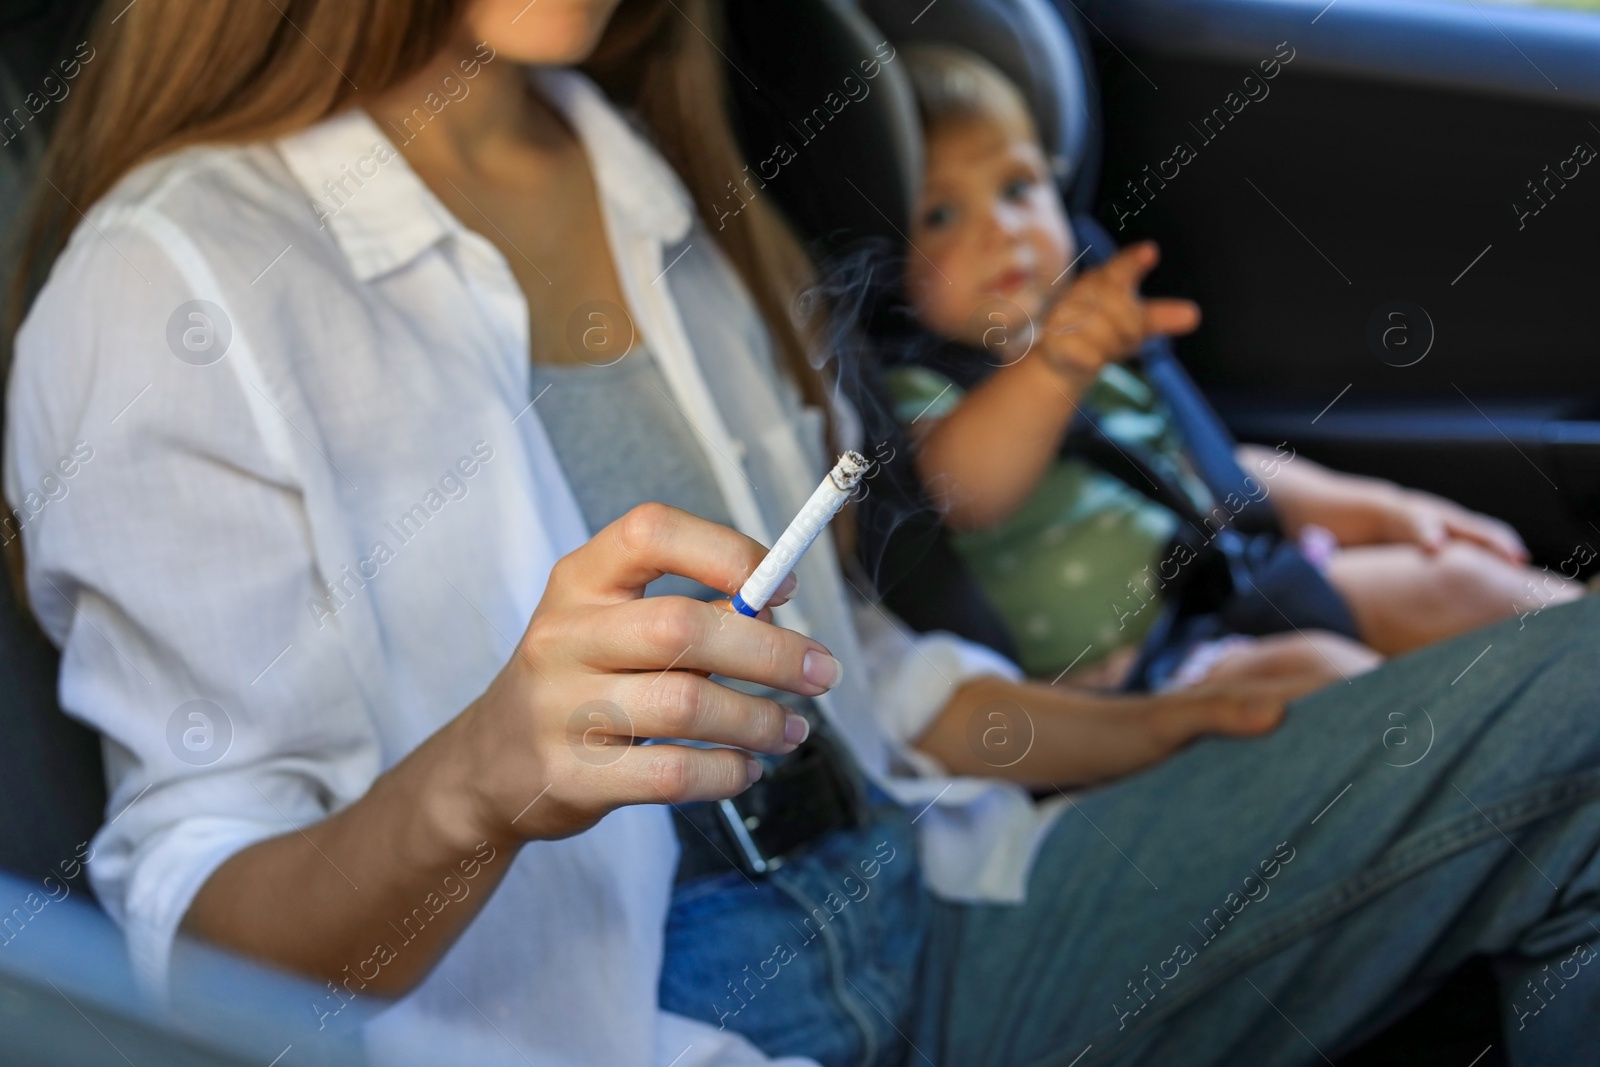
(382, 215)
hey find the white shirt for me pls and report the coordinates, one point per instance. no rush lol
(335, 532)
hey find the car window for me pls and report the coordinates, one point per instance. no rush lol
(1577, 5)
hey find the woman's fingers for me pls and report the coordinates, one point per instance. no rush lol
(651, 540)
(677, 774)
(589, 760)
(1302, 661)
(601, 666)
(784, 591)
(1246, 712)
(681, 705)
(666, 632)
(1247, 691)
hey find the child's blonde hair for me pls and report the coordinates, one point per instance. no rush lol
(954, 86)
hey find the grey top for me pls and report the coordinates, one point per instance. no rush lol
(622, 440)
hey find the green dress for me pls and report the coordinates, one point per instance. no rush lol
(1075, 571)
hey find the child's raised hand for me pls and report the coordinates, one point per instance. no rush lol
(1100, 317)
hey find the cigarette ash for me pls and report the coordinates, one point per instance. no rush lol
(849, 471)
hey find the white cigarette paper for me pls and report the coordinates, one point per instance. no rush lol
(812, 519)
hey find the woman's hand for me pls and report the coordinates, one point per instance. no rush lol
(545, 752)
(552, 742)
(1314, 657)
(1101, 318)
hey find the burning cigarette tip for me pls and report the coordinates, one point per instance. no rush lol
(848, 472)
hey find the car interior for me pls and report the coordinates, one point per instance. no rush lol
(1388, 259)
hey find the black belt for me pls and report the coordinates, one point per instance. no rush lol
(813, 791)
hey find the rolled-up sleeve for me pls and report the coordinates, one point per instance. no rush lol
(914, 675)
(169, 556)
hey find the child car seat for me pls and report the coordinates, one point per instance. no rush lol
(815, 88)
(853, 179)
(1041, 50)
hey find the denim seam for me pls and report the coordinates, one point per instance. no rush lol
(1400, 863)
(869, 1034)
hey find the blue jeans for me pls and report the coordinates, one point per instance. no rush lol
(819, 958)
(1275, 900)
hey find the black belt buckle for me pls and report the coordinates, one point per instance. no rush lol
(810, 793)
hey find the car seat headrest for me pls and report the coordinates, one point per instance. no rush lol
(827, 119)
(1028, 41)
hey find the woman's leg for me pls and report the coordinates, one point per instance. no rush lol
(1279, 899)
(817, 959)
(1404, 598)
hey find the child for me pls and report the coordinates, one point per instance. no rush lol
(1058, 543)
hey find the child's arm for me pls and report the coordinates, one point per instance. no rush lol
(982, 460)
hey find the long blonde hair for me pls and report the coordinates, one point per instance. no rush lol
(172, 73)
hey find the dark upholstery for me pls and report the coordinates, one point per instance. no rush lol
(52, 788)
(1027, 39)
(813, 86)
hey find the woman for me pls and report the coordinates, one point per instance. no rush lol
(334, 582)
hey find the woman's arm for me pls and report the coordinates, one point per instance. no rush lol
(319, 901)
(1039, 734)
(524, 762)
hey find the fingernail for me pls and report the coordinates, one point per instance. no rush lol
(795, 728)
(785, 589)
(752, 769)
(819, 668)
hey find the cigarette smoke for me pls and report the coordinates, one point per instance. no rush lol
(859, 325)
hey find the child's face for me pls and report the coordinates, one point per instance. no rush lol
(989, 225)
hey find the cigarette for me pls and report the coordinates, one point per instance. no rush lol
(781, 559)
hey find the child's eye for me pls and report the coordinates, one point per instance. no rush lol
(1017, 189)
(938, 216)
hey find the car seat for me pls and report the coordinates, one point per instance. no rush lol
(52, 785)
(850, 182)
(814, 85)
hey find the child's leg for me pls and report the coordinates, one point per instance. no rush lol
(1404, 598)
